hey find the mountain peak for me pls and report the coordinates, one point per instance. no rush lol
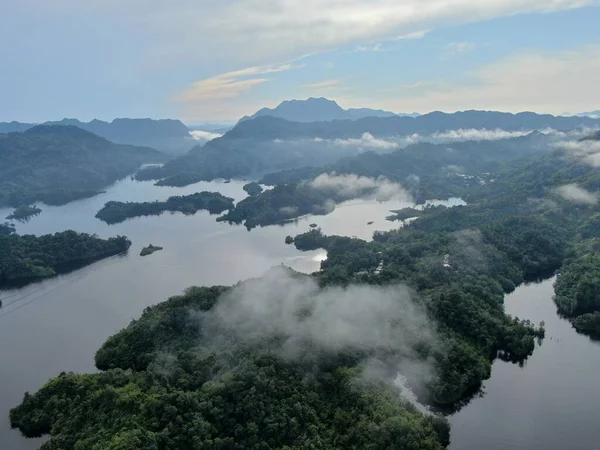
(316, 109)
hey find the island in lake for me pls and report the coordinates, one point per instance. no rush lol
(214, 202)
(28, 258)
(24, 212)
(149, 250)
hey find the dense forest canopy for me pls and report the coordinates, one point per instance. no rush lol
(58, 164)
(299, 361)
(214, 202)
(28, 258)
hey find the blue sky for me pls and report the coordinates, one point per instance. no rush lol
(202, 60)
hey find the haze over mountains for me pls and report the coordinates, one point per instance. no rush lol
(57, 164)
(268, 144)
(320, 110)
(167, 135)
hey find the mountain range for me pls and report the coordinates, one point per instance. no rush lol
(270, 144)
(167, 135)
(319, 110)
(57, 164)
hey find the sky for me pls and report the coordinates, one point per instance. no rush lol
(218, 60)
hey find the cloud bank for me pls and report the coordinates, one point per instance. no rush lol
(300, 321)
(576, 194)
(200, 135)
(587, 151)
(353, 186)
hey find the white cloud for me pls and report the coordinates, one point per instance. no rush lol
(587, 151)
(254, 31)
(323, 85)
(576, 194)
(367, 140)
(209, 98)
(457, 48)
(200, 135)
(352, 186)
(528, 80)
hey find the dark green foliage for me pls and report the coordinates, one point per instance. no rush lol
(253, 189)
(588, 323)
(403, 214)
(24, 213)
(578, 286)
(149, 250)
(6, 228)
(27, 258)
(214, 202)
(58, 164)
(161, 389)
(280, 204)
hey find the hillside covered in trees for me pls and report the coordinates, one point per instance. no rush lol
(214, 202)
(28, 258)
(268, 144)
(299, 361)
(59, 164)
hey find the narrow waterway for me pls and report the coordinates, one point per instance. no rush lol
(58, 324)
(551, 403)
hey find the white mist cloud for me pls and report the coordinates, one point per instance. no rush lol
(367, 140)
(353, 186)
(200, 135)
(587, 151)
(576, 194)
(305, 318)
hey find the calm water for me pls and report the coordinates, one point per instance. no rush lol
(551, 403)
(58, 324)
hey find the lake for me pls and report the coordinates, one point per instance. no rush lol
(58, 324)
(551, 403)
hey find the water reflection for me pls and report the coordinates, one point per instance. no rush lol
(58, 324)
(549, 403)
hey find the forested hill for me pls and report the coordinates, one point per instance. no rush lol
(57, 164)
(167, 135)
(268, 144)
(267, 127)
(28, 258)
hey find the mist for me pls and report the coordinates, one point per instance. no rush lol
(576, 194)
(587, 151)
(291, 316)
(353, 186)
(200, 135)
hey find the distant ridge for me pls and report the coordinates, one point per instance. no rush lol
(167, 135)
(267, 127)
(319, 110)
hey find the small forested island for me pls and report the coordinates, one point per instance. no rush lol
(403, 214)
(24, 213)
(27, 258)
(280, 204)
(214, 202)
(253, 189)
(149, 250)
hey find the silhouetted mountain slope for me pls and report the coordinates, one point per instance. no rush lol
(57, 164)
(167, 135)
(269, 144)
(317, 110)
